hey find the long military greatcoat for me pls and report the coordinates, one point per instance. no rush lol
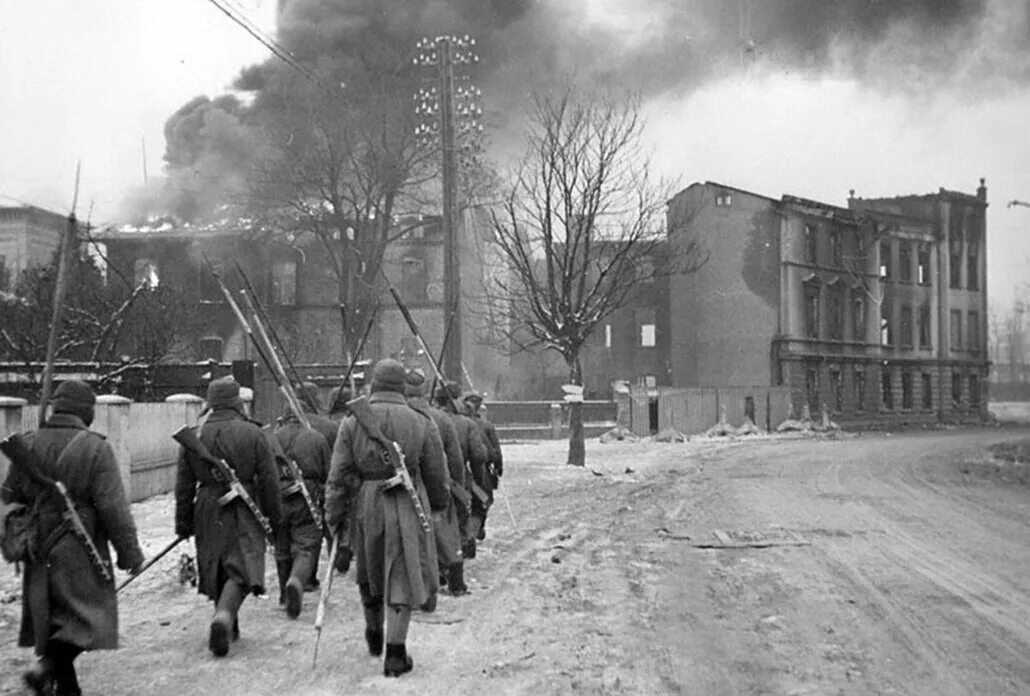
(228, 537)
(447, 526)
(393, 555)
(474, 453)
(63, 595)
(308, 448)
(494, 459)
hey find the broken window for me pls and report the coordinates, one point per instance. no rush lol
(812, 291)
(885, 260)
(284, 283)
(956, 329)
(836, 253)
(858, 318)
(886, 329)
(144, 272)
(811, 246)
(923, 269)
(886, 389)
(835, 312)
(724, 199)
(906, 326)
(974, 390)
(812, 387)
(858, 385)
(837, 384)
(924, 327)
(973, 331)
(955, 262)
(907, 400)
(927, 386)
(972, 265)
(905, 261)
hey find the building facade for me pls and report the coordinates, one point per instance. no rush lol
(295, 280)
(28, 236)
(876, 311)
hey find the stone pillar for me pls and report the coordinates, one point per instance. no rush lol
(191, 406)
(10, 422)
(556, 416)
(112, 421)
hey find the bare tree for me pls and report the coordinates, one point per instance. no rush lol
(581, 225)
(342, 165)
(108, 321)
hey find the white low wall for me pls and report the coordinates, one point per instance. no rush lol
(140, 434)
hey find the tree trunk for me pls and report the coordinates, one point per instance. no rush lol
(577, 444)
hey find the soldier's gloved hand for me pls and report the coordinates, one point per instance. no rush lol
(135, 569)
(184, 532)
(343, 559)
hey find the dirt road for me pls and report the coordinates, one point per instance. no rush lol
(908, 573)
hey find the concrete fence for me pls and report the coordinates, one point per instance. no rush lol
(694, 410)
(139, 433)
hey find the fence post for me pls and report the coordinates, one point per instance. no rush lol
(10, 422)
(191, 405)
(112, 421)
(556, 421)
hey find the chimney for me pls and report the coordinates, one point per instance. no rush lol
(981, 192)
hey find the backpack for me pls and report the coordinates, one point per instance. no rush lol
(18, 544)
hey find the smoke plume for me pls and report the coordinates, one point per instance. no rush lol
(653, 47)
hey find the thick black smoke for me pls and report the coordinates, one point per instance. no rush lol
(652, 47)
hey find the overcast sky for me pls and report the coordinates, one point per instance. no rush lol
(94, 79)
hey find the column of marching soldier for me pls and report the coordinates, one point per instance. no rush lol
(339, 477)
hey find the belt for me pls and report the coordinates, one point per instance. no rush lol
(377, 475)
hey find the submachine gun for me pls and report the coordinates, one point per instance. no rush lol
(24, 457)
(187, 437)
(392, 454)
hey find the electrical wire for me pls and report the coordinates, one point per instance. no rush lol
(236, 15)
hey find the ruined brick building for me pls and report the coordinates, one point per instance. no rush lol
(877, 310)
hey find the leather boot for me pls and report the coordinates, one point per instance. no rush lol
(456, 580)
(282, 570)
(228, 606)
(299, 575)
(429, 606)
(373, 610)
(397, 661)
(468, 548)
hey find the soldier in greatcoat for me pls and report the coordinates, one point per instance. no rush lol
(492, 471)
(473, 450)
(446, 525)
(395, 560)
(311, 402)
(230, 540)
(299, 538)
(67, 606)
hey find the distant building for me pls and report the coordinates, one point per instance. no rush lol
(28, 236)
(299, 289)
(877, 311)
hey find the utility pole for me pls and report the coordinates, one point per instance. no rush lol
(438, 107)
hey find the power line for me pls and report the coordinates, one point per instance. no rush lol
(268, 42)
